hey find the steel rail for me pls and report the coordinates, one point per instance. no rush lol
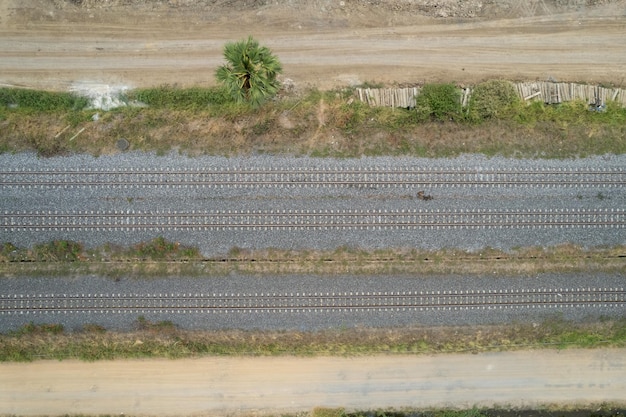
(316, 170)
(275, 177)
(266, 302)
(316, 219)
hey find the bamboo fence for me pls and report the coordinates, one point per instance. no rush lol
(548, 92)
(389, 97)
(555, 93)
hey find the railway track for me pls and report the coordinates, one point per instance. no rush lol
(312, 177)
(176, 303)
(130, 220)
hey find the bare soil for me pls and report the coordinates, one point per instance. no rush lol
(322, 43)
(262, 386)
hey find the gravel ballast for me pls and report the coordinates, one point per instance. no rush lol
(314, 320)
(218, 242)
(376, 198)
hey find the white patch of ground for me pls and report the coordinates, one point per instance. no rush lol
(101, 96)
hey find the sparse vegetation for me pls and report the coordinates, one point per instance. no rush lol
(591, 410)
(160, 257)
(601, 410)
(57, 250)
(64, 251)
(39, 329)
(330, 123)
(161, 249)
(163, 339)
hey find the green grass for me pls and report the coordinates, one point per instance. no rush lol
(492, 99)
(160, 257)
(55, 251)
(161, 249)
(171, 97)
(316, 123)
(441, 102)
(164, 340)
(26, 100)
(66, 251)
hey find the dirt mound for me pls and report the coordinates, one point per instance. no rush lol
(330, 13)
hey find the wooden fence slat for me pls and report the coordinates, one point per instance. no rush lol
(549, 92)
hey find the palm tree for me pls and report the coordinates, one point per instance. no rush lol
(250, 74)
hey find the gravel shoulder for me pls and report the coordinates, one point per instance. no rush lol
(312, 320)
(244, 199)
(219, 242)
(263, 386)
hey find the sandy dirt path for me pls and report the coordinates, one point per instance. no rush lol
(215, 386)
(566, 47)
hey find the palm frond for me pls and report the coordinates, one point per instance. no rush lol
(250, 72)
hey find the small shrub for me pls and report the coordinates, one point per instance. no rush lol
(349, 117)
(162, 249)
(142, 323)
(8, 252)
(250, 72)
(328, 412)
(439, 102)
(58, 250)
(492, 99)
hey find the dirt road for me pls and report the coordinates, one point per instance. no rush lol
(41, 46)
(216, 386)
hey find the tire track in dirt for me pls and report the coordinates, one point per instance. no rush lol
(225, 386)
(568, 47)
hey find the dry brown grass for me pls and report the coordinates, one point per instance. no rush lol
(311, 123)
(165, 340)
(523, 261)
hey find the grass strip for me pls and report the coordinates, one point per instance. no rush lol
(26, 101)
(590, 410)
(603, 409)
(199, 120)
(164, 340)
(159, 258)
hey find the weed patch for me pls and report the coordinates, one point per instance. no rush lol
(39, 329)
(163, 339)
(26, 100)
(171, 97)
(161, 249)
(57, 250)
(160, 257)
(440, 102)
(601, 410)
(316, 123)
(493, 99)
